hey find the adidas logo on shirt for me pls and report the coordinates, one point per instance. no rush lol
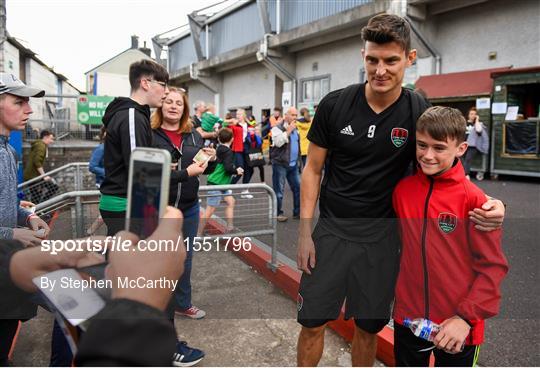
(347, 130)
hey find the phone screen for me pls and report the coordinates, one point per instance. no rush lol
(145, 197)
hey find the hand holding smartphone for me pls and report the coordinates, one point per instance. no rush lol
(201, 157)
(148, 189)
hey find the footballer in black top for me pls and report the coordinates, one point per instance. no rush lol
(356, 240)
(368, 153)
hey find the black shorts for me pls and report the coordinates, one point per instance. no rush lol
(363, 274)
(407, 352)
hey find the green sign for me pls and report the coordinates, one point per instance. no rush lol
(90, 109)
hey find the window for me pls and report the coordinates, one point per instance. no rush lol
(521, 137)
(312, 90)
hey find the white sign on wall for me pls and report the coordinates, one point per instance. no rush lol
(483, 103)
(498, 108)
(286, 100)
(511, 113)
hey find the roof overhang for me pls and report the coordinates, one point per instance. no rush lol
(532, 69)
(462, 84)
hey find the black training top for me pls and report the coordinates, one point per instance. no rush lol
(368, 154)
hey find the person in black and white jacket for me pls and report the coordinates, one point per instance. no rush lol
(127, 124)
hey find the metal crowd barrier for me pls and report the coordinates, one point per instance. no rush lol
(254, 213)
(74, 213)
(68, 178)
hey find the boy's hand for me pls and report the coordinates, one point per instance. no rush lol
(490, 217)
(452, 335)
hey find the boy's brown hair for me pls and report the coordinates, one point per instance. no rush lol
(443, 123)
(385, 28)
(225, 135)
(146, 68)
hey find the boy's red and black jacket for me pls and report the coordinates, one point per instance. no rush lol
(447, 267)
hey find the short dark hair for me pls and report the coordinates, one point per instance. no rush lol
(45, 133)
(277, 108)
(146, 68)
(385, 28)
(443, 123)
(225, 135)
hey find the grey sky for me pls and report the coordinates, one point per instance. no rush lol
(73, 36)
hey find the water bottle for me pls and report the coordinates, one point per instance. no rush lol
(425, 329)
(422, 328)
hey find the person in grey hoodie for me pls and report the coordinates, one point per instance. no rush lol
(14, 113)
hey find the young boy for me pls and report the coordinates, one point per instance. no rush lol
(210, 122)
(222, 175)
(450, 272)
(16, 222)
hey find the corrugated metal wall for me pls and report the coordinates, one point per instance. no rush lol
(296, 13)
(235, 30)
(181, 53)
(243, 26)
(203, 42)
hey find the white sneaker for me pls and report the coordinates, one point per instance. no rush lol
(246, 194)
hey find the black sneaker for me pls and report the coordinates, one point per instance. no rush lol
(186, 356)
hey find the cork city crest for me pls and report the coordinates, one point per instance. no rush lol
(447, 222)
(399, 136)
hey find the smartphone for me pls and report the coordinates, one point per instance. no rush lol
(96, 271)
(63, 290)
(148, 189)
(201, 157)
